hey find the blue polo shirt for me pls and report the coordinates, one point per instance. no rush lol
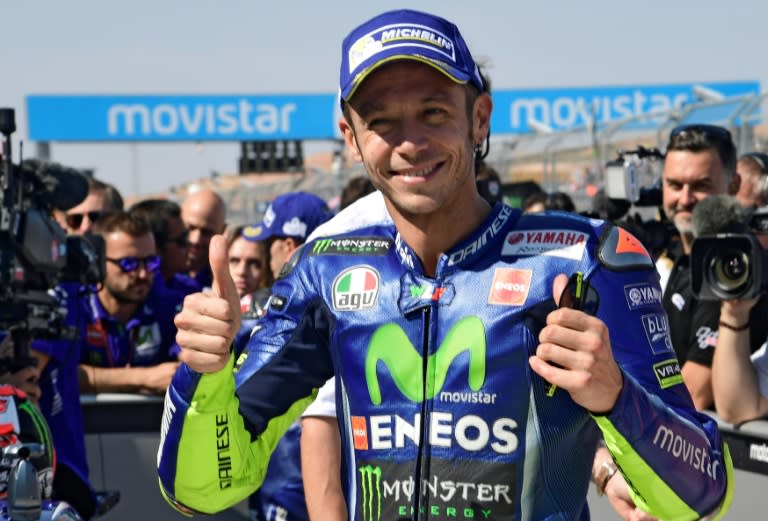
(148, 338)
(95, 337)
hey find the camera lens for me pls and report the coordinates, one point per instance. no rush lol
(730, 270)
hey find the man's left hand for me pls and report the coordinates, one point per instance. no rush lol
(579, 344)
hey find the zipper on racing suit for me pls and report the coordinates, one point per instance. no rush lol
(422, 459)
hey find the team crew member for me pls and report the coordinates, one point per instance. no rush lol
(460, 386)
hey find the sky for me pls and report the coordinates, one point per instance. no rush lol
(293, 47)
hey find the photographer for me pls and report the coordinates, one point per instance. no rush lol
(700, 163)
(740, 383)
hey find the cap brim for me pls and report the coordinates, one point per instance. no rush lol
(256, 232)
(450, 72)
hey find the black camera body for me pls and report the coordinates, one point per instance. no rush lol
(728, 266)
(35, 252)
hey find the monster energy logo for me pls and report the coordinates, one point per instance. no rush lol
(351, 246)
(390, 345)
(370, 485)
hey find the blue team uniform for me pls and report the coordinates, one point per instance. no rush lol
(148, 338)
(440, 414)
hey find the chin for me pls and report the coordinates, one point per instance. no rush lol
(416, 204)
(684, 225)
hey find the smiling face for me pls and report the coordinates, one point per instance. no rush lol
(689, 177)
(414, 132)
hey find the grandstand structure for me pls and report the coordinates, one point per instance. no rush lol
(571, 160)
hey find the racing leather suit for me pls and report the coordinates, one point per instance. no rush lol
(440, 415)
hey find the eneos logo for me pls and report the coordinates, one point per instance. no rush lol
(510, 286)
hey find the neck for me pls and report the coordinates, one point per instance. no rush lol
(432, 235)
(686, 239)
(121, 311)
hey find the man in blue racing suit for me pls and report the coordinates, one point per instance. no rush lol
(462, 390)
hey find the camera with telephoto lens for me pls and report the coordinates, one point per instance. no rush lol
(35, 257)
(35, 253)
(731, 266)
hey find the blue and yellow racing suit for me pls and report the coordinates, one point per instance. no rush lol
(440, 415)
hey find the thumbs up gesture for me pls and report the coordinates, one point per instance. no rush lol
(574, 353)
(209, 321)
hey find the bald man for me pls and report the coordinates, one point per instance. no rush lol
(204, 214)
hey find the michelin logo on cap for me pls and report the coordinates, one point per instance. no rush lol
(399, 34)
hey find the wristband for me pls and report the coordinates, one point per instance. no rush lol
(604, 474)
(734, 328)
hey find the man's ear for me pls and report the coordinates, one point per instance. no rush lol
(291, 244)
(349, 138)
(481, 118)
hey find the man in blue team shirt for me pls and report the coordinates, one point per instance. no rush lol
(129, 337)
(122, 341)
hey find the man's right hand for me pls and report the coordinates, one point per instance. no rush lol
(209, 321)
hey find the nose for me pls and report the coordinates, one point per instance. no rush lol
(412, 139)
(86, 225)
(687, 197)
(142, 271)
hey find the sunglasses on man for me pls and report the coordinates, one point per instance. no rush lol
(75, 220)
(131, 264)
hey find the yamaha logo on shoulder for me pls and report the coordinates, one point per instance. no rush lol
(642, 295)
(356, 288)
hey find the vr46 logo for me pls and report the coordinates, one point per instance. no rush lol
(391, 346)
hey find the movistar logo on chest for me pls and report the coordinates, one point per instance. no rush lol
(480, 241)
(356, 288)
(390, 345)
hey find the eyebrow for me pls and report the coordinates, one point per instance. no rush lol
(367, 108)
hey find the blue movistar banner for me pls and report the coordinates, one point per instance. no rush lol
(566, 108)
(181, 118)
(313, 116)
